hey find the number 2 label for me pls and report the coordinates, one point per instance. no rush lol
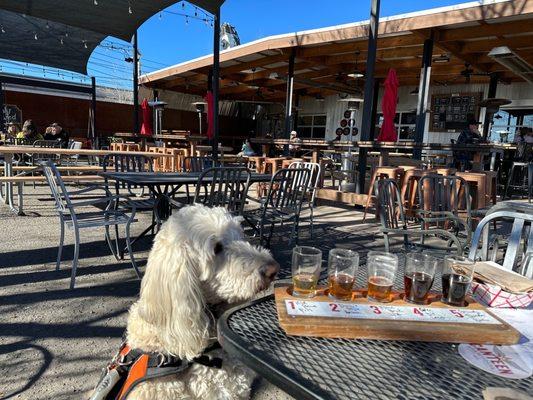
(334, 307)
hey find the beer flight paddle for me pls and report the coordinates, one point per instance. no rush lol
(342, 310)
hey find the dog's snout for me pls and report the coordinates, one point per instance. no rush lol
(269, 271)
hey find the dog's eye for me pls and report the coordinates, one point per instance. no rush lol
(218, 248)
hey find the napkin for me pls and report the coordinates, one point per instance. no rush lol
(492, 273)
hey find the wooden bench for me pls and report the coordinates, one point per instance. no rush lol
(20, 180)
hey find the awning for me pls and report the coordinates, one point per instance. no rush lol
(80, 25)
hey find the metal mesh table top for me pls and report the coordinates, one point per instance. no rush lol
(359, 369)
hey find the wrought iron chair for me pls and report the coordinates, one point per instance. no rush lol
(519, 249)
(70, 217)
(316, 174)
(442, 199)
(394, 223)
(196, 164)
(283, 203)
(136, 195)
(223, 187)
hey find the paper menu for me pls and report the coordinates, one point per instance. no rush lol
(513, 362)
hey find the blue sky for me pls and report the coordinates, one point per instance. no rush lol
(167, 39)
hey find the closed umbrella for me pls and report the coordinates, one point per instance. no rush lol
(388, 107)
(146, 127)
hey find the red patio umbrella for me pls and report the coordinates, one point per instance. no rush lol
(146, 128)
(210, 114)
(388, 107)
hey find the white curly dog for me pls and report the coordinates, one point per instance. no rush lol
(199, 258)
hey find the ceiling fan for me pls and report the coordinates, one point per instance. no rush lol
(468, 72)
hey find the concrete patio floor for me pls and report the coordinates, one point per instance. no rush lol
(55, 341)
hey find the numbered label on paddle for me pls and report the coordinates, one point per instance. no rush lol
(306, 308)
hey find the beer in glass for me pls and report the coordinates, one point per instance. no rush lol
(306, 263)
(382, 267)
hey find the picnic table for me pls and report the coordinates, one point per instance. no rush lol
(320, 368)
(8, 152)
(163, 187)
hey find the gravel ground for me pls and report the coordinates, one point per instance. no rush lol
(54, 341)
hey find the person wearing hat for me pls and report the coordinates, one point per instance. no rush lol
(57, 133)
(469, 135)
(12, 130)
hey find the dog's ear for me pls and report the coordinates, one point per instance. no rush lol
(171, 297)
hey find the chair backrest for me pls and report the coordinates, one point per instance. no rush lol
(519, 240)
(316, 174)
(444, 193)
(223, 187)
(57, 187)
(127, 163)
(197, 164)
(21, 141)
(389, 204)
(287, 189)
(49, 144)
(75, 145)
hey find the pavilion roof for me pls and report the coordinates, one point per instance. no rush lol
(67, 31)
(324, 57)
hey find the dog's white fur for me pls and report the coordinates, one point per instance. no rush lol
(199, 257)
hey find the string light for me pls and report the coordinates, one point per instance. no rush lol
(130, 11)
(47, 25)
(36, 37)
(182, 4)
(160, 15)
(85, 43)
(187, 20)
(61, 40)
(195, 11)
(95, 2)
(2, 29)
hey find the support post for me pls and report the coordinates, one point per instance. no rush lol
(423, 94)
(93, 107)
(135, 85)
(216, 75)
(493, 85)
(3, 127)
(367, 122)
(288, 98)
(374, 109)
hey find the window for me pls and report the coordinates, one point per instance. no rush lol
(312, 126)
(507, 123)
(404, 122)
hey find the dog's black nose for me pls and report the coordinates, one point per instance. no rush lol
(269, 271)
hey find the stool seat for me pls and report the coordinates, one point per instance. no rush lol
(520, 178)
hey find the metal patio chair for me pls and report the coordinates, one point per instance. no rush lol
(223, 187)
(394, 223)
(73, 219)
(518, 252)
(135, 194)
(283, 203)
(316, 174)
(196, 164)
(442, 199)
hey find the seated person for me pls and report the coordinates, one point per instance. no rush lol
(29, 132)
(469, 135)
(295, 143)
(57, 133)
(247, 149)
(12, 130)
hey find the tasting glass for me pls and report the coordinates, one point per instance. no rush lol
(382, 267)
(457, 275)
(306, 263)
(418, 278)
(342, 273)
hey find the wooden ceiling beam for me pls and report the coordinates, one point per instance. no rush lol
(484, 46)
(484, 30)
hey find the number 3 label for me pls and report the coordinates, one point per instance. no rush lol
(376, 309)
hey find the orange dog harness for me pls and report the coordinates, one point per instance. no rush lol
(130, 367)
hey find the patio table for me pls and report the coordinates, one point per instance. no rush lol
(163, 186)
(8, 153)
(320, 368)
